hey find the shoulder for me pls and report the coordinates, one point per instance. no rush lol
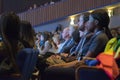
(102, 37)
(102, 34)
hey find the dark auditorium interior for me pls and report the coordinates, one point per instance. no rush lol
(59, 39)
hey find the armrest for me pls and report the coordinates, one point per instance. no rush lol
(91, 73)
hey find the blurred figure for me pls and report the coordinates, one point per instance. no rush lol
(27, 34)
(56, 39)
(66, 49)
(38, 42)
(46, 4)
(51, 2)
(45, 37)
(114, 32)
(9, 26)
(118, 31)
(34, 6)
(30, 8)
(66, 37)
(84, 33)
(84, 17)
(59, 29)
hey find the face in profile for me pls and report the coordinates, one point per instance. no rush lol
(65, 33)
(90, 26)
(81, 22)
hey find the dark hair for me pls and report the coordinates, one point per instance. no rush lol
(85, 16)
(9, 26)
(46, 37)
(103, 20)
(27, 34)
(59, 28)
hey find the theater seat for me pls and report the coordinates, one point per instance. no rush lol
(26, 60)
(90, 73)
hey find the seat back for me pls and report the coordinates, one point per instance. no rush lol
(26, 60)
(89, 73)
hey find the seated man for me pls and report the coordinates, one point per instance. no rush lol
(67, 35)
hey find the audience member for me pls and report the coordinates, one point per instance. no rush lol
(83, 32)
(59, 30)
(114, 32)
(38, 42)
(98, 21)
(56, 39)
(9, 26)
(27, 34)
(71, 43)
(66, 37)
(47, 45)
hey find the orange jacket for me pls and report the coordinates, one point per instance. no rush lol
(108, 64)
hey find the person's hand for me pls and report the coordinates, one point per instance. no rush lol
(64, 54)
(79, 63)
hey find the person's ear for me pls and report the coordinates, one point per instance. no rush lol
(96, 22)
